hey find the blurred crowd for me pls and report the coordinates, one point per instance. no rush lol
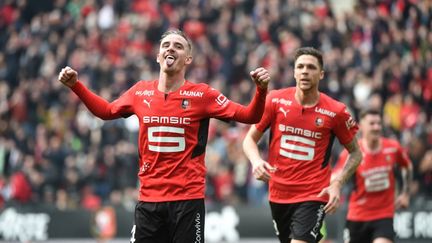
(378, 53)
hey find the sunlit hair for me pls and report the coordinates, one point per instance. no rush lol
(180, 33)
(310, 51)
(366, 112)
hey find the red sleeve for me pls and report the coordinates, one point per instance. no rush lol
(219, 106)
(97, 105)
(267, 117)
(254, 111)
(346, 127)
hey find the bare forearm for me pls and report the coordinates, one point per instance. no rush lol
(407, 178)
(353, 161)
(350, 167)
(250, 149)
(250, 145)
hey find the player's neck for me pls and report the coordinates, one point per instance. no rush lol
(168, 83)
(372, 145)
(307, 98)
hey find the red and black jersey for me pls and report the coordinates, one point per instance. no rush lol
(373, 195)
(173, 132)
(300, 144)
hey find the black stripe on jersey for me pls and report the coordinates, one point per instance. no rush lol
(126, 115)
(328, 152)
(202, 138)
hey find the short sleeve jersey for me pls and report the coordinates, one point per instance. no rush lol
(374, 184)
(173, 131)
(300, 144)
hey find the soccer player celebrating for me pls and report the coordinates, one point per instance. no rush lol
(173, 118)
(372, 202)
(303, 123)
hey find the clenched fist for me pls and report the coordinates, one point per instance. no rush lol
(261, 77)
(68, 76)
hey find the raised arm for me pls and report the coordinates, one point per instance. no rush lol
(96, 104)
(253, 112)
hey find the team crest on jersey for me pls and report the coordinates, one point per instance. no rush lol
(319, 122)
(388, 158)
(185, 104)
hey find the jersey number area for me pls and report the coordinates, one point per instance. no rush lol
(291, 150)
(172, 144)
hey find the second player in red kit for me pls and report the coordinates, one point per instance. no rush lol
(303, 123)
(372, 202)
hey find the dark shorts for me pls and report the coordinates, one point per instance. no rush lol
(299, 221)
(367, 231)
(174, 222)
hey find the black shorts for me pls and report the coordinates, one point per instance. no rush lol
(367, 231)
(299, 221)
(173, 222)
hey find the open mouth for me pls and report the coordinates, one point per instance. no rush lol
(169, 60)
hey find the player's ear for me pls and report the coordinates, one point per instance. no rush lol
(322, 74)
(188, 60)
(157, 58)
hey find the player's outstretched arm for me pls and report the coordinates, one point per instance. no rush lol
(253, 112)
(333, 190)
(261, 169)
(96, 104)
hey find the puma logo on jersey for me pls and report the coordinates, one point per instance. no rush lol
(283, 111)
(147, 102)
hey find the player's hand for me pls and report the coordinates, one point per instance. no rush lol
(261, 77)
(68, 76)
(402, 201)
(262, 170)
(333, 192)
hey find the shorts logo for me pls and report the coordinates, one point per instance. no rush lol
(198, 236)
(275, 227)
(320, 215)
